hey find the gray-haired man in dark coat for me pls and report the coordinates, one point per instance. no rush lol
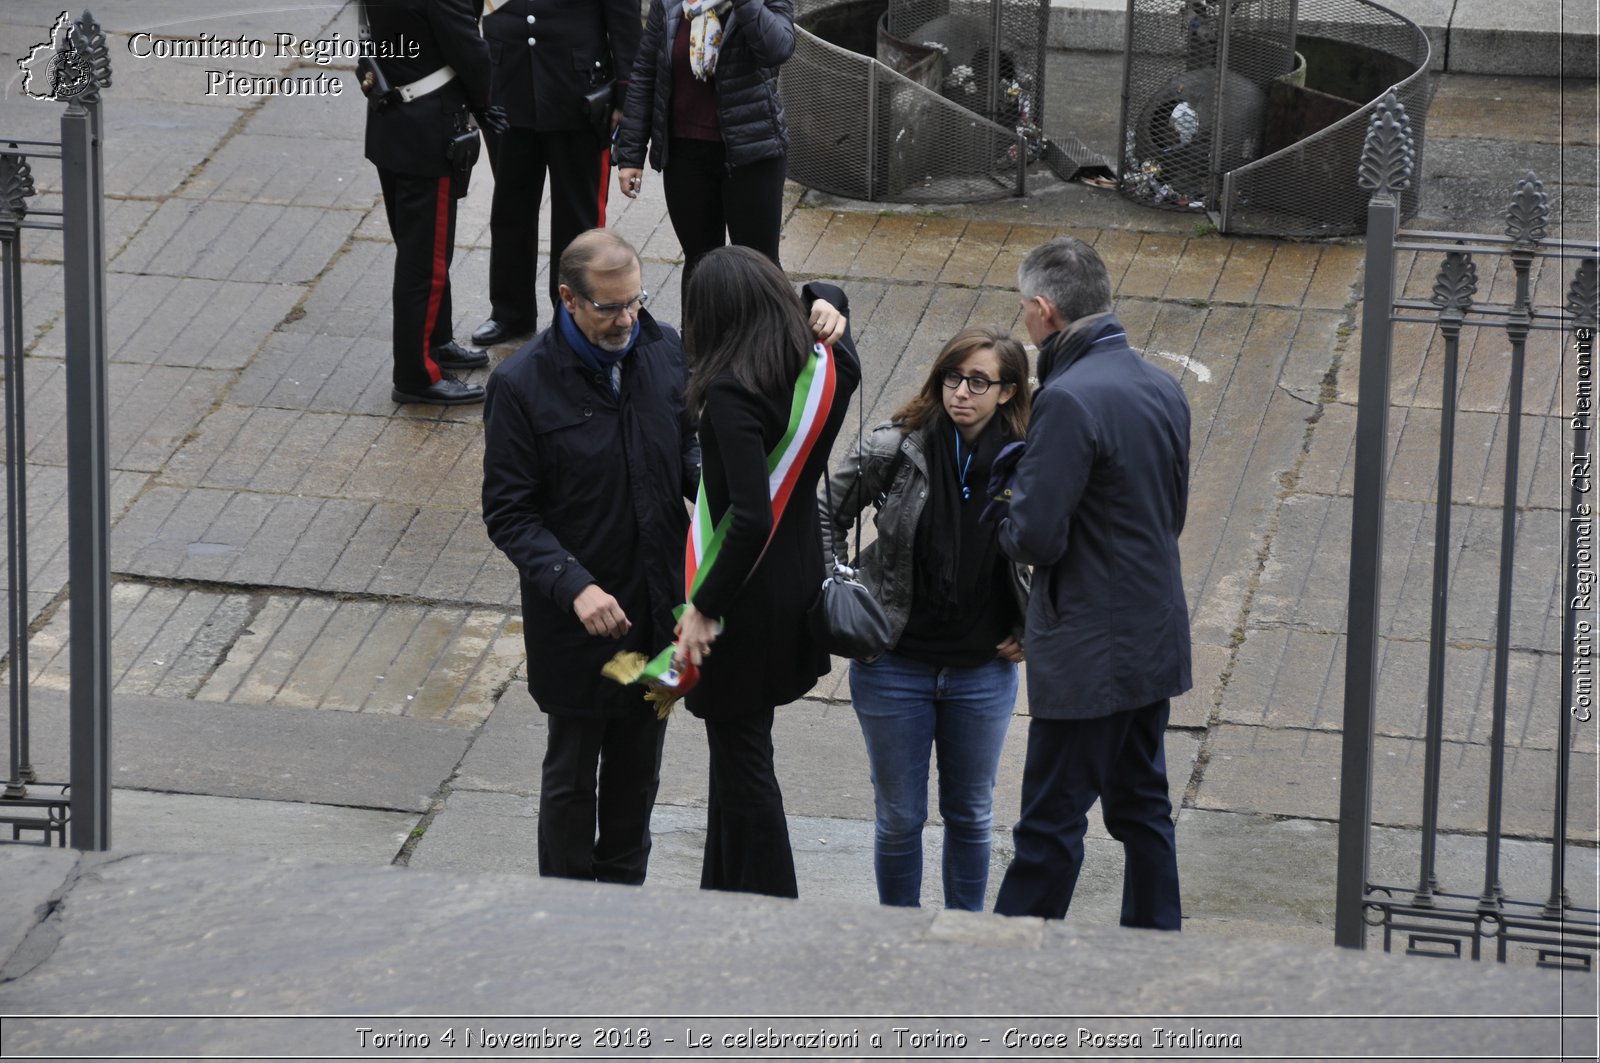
(1097, 505)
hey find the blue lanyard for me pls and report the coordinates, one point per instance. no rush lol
(966, 492)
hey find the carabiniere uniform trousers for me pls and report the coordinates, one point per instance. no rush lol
(422, 220)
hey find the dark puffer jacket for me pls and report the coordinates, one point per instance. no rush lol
(749, 109)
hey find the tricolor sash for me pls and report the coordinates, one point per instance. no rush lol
(808, 413)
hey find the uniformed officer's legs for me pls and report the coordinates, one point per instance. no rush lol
(514, 230)
(579, 167)
(422, 220)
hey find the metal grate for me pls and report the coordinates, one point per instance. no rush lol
(1255, 111)
(915, 100)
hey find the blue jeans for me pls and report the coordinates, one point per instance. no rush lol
(906, 709)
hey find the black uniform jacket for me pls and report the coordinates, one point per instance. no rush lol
(548, 53)
(580, 487)
(766, 654)
(410, 138)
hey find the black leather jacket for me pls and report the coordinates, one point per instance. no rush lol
(887, 470)
(749, 108)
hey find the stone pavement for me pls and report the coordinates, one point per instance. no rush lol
(317, 653)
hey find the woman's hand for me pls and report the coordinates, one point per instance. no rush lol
(827, 324)
(629, 180)
(1010, 650)
(696, 632)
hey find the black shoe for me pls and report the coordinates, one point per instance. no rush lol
(492, 332)
(447, 392)
(454, 356)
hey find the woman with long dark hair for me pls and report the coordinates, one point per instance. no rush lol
(771, 403)
(955, 605)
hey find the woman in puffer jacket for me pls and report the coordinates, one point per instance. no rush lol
(703, 96)
(955, 605)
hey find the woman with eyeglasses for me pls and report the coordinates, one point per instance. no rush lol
(948, 685)
(770, 403)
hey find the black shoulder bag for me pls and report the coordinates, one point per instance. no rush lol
(846, 618)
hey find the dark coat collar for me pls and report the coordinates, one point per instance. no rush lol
(1060, 349)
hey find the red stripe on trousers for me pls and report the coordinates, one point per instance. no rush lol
(605, 185)
(441, 277)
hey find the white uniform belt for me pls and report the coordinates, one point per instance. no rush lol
(422, 86)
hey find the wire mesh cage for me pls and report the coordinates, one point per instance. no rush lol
(1255, 111)
(917, 101)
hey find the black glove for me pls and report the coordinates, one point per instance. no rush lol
(1001, 474)
(492, 120)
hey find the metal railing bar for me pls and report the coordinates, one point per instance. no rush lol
(21, 768)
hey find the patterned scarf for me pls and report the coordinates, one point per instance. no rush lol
(709, 22)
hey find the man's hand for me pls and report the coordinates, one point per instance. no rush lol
(628, 181)
(1009, 650)
(827, 324)
(600, 613)
(616, 119)
(492, 120)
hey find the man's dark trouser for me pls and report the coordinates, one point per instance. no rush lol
(618, 758)
(580, 170)
(422, 220)
(1120, 759)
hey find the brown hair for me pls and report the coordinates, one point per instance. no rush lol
(929, 402)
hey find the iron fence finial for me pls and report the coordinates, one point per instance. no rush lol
(1456, 284)
(89, 41)
(1529, 213)
(1583, 296)
(16, 185)
(1388, 156)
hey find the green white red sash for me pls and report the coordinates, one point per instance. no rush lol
(808, 413)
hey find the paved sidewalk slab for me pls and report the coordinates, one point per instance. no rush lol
(259, 753)
(192, 823)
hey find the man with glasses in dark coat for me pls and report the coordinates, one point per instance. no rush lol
(1097, 504)
(589, 456)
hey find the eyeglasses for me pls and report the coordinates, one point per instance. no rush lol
(632, 306)
(976, 385)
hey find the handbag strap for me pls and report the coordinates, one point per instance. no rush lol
(827, 481)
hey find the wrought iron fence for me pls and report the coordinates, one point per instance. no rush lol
(38, 811)
(917, 101)
(1254, 111)
(1429, 916)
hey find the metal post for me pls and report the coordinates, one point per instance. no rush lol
(1526, 225)
(16, 184)
(1127, 82)
(88, 505)
(873, 67)
(1583, 302)
(1385, 169)
(1452, 292)
(1219, 111)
